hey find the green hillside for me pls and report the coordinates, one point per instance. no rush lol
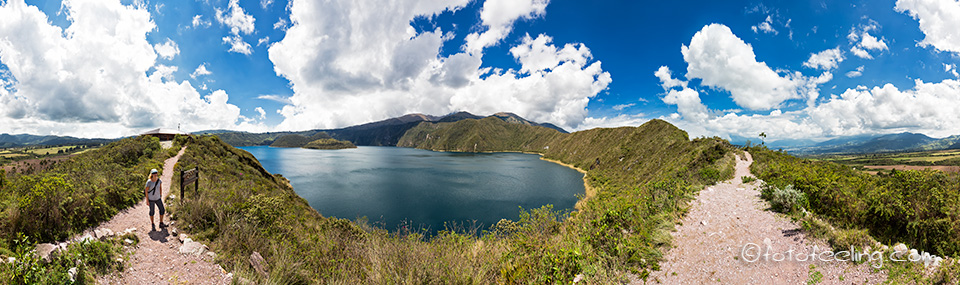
(295, 140)
(329, 144)
(643, 177)
(920, 208)
(71, 196)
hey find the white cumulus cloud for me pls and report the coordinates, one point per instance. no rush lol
(239, 23)
(667, 80)
(929, 108)
(612, 122)
(237, 44)
(859, 52)
(167, 50)
(870, 42)
(938, 20)
(200, 71)
(263, 114)
(91, 80)
(826, 60)
(766, 27)
(351, 62)
(198, 21)
(498, 17)
(620, 107)
(723, 60)
(855, 73)
(952, 69)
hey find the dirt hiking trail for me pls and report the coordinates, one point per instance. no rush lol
(724, 218)
(157, 258)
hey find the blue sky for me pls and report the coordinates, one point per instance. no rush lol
(792, 69)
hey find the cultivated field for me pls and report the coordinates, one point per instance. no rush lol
(943, 160)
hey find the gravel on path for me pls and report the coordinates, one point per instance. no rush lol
(156, 259)
(727, 226)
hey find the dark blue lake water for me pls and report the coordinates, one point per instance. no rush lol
(395, 187)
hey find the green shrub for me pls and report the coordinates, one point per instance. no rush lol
(920, 208)
(91, 256)
(784, 200)
(851, 238)
(709, 173)
(80, 192)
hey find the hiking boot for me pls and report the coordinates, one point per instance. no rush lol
(162, 225)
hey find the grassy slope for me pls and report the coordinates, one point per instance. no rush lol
(242, 208)
(918, 208)
(75, 194)
(296, 140)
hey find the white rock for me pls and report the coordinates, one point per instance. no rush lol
(128, 241)
(212, 254)
(183, 237)
(11, 259)
(578, 278)
(914, 256)
(86, 238)
(900, 250)
(45, 251)
(73, 274)
(192, 247)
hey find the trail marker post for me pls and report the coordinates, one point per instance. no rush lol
(188, 176)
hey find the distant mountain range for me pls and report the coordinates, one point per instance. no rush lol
(863, 144)
(22, 140)
(380, 133)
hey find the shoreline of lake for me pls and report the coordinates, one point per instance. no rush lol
(411, 187)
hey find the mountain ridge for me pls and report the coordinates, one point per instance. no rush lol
(21, 140)
(379, 133)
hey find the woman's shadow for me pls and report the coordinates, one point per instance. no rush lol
(160, 235)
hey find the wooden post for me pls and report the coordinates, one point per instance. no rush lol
(187, 176)
(181, 186)
(196, 182)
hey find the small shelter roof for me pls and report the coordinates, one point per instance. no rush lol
(158, 131)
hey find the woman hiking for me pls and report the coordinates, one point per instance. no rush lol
(154, 194)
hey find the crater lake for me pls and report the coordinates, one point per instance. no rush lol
(413, 189)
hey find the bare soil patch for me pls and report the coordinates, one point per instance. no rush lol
(34, 164)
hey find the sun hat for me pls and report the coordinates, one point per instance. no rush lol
(152, 171)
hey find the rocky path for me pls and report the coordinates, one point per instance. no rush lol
(727, 227)
(157, 259)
